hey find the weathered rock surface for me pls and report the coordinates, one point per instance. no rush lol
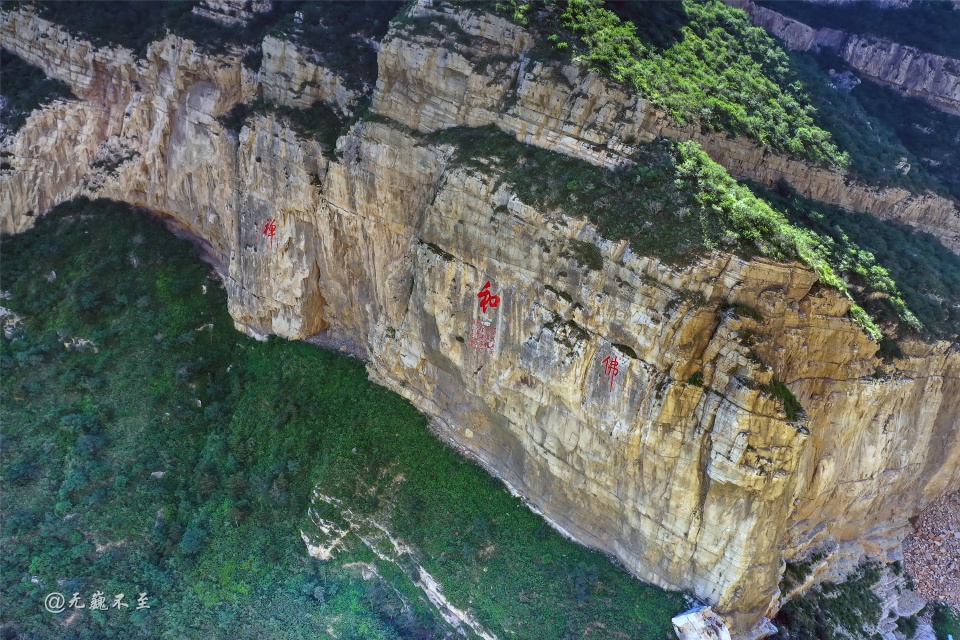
(932, 552)
(700, 623)
(294, 77)
(898, 600)
(430, 82)
(932, 77)
(233, 13)
(383, 248)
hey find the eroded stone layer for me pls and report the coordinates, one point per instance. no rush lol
(682, 465)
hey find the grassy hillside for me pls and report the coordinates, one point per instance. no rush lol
(241, 433)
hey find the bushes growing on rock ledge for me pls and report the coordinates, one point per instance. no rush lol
(702, 62)
(677, 204)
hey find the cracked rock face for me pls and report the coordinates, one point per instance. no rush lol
(430, 82)
(681, 465)
(291, 76)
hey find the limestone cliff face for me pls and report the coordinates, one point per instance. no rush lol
(291, 76)
(432, 82)
(693, 481)
(932, 77)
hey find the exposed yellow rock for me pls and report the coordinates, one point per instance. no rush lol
(383, 248)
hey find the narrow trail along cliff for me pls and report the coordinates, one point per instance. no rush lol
(678, 460)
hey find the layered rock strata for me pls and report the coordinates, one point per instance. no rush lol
(292, 76)
(682, 465)
(917, 73)
(433, 81)
(233, 13)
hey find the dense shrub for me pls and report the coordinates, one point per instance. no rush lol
(892, 140)
(833, 611)
(899, 275)
(215, 542)
(703, 62)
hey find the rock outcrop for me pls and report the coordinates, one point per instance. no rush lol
(628, 404)
(700, 623)
(292, 76)
(934, 78)
(233, 13)
(430, 82)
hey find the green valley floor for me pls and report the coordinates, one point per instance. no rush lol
(150, 448)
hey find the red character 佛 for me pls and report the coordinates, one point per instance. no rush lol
(270, 229)
(487, 299)
(611, 368)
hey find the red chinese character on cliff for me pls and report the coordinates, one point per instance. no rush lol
(270, 229)
(487, 299)
(611, 368)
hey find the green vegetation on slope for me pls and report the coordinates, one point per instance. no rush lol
(881, 129)
(896, 273)
(24, 88)
(945, 621)
(931, 136)
(676, 204)
(243, 431)
(929, 25)
(833, 611)
(701, 62)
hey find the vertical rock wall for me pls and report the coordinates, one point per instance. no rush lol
(682, 466)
